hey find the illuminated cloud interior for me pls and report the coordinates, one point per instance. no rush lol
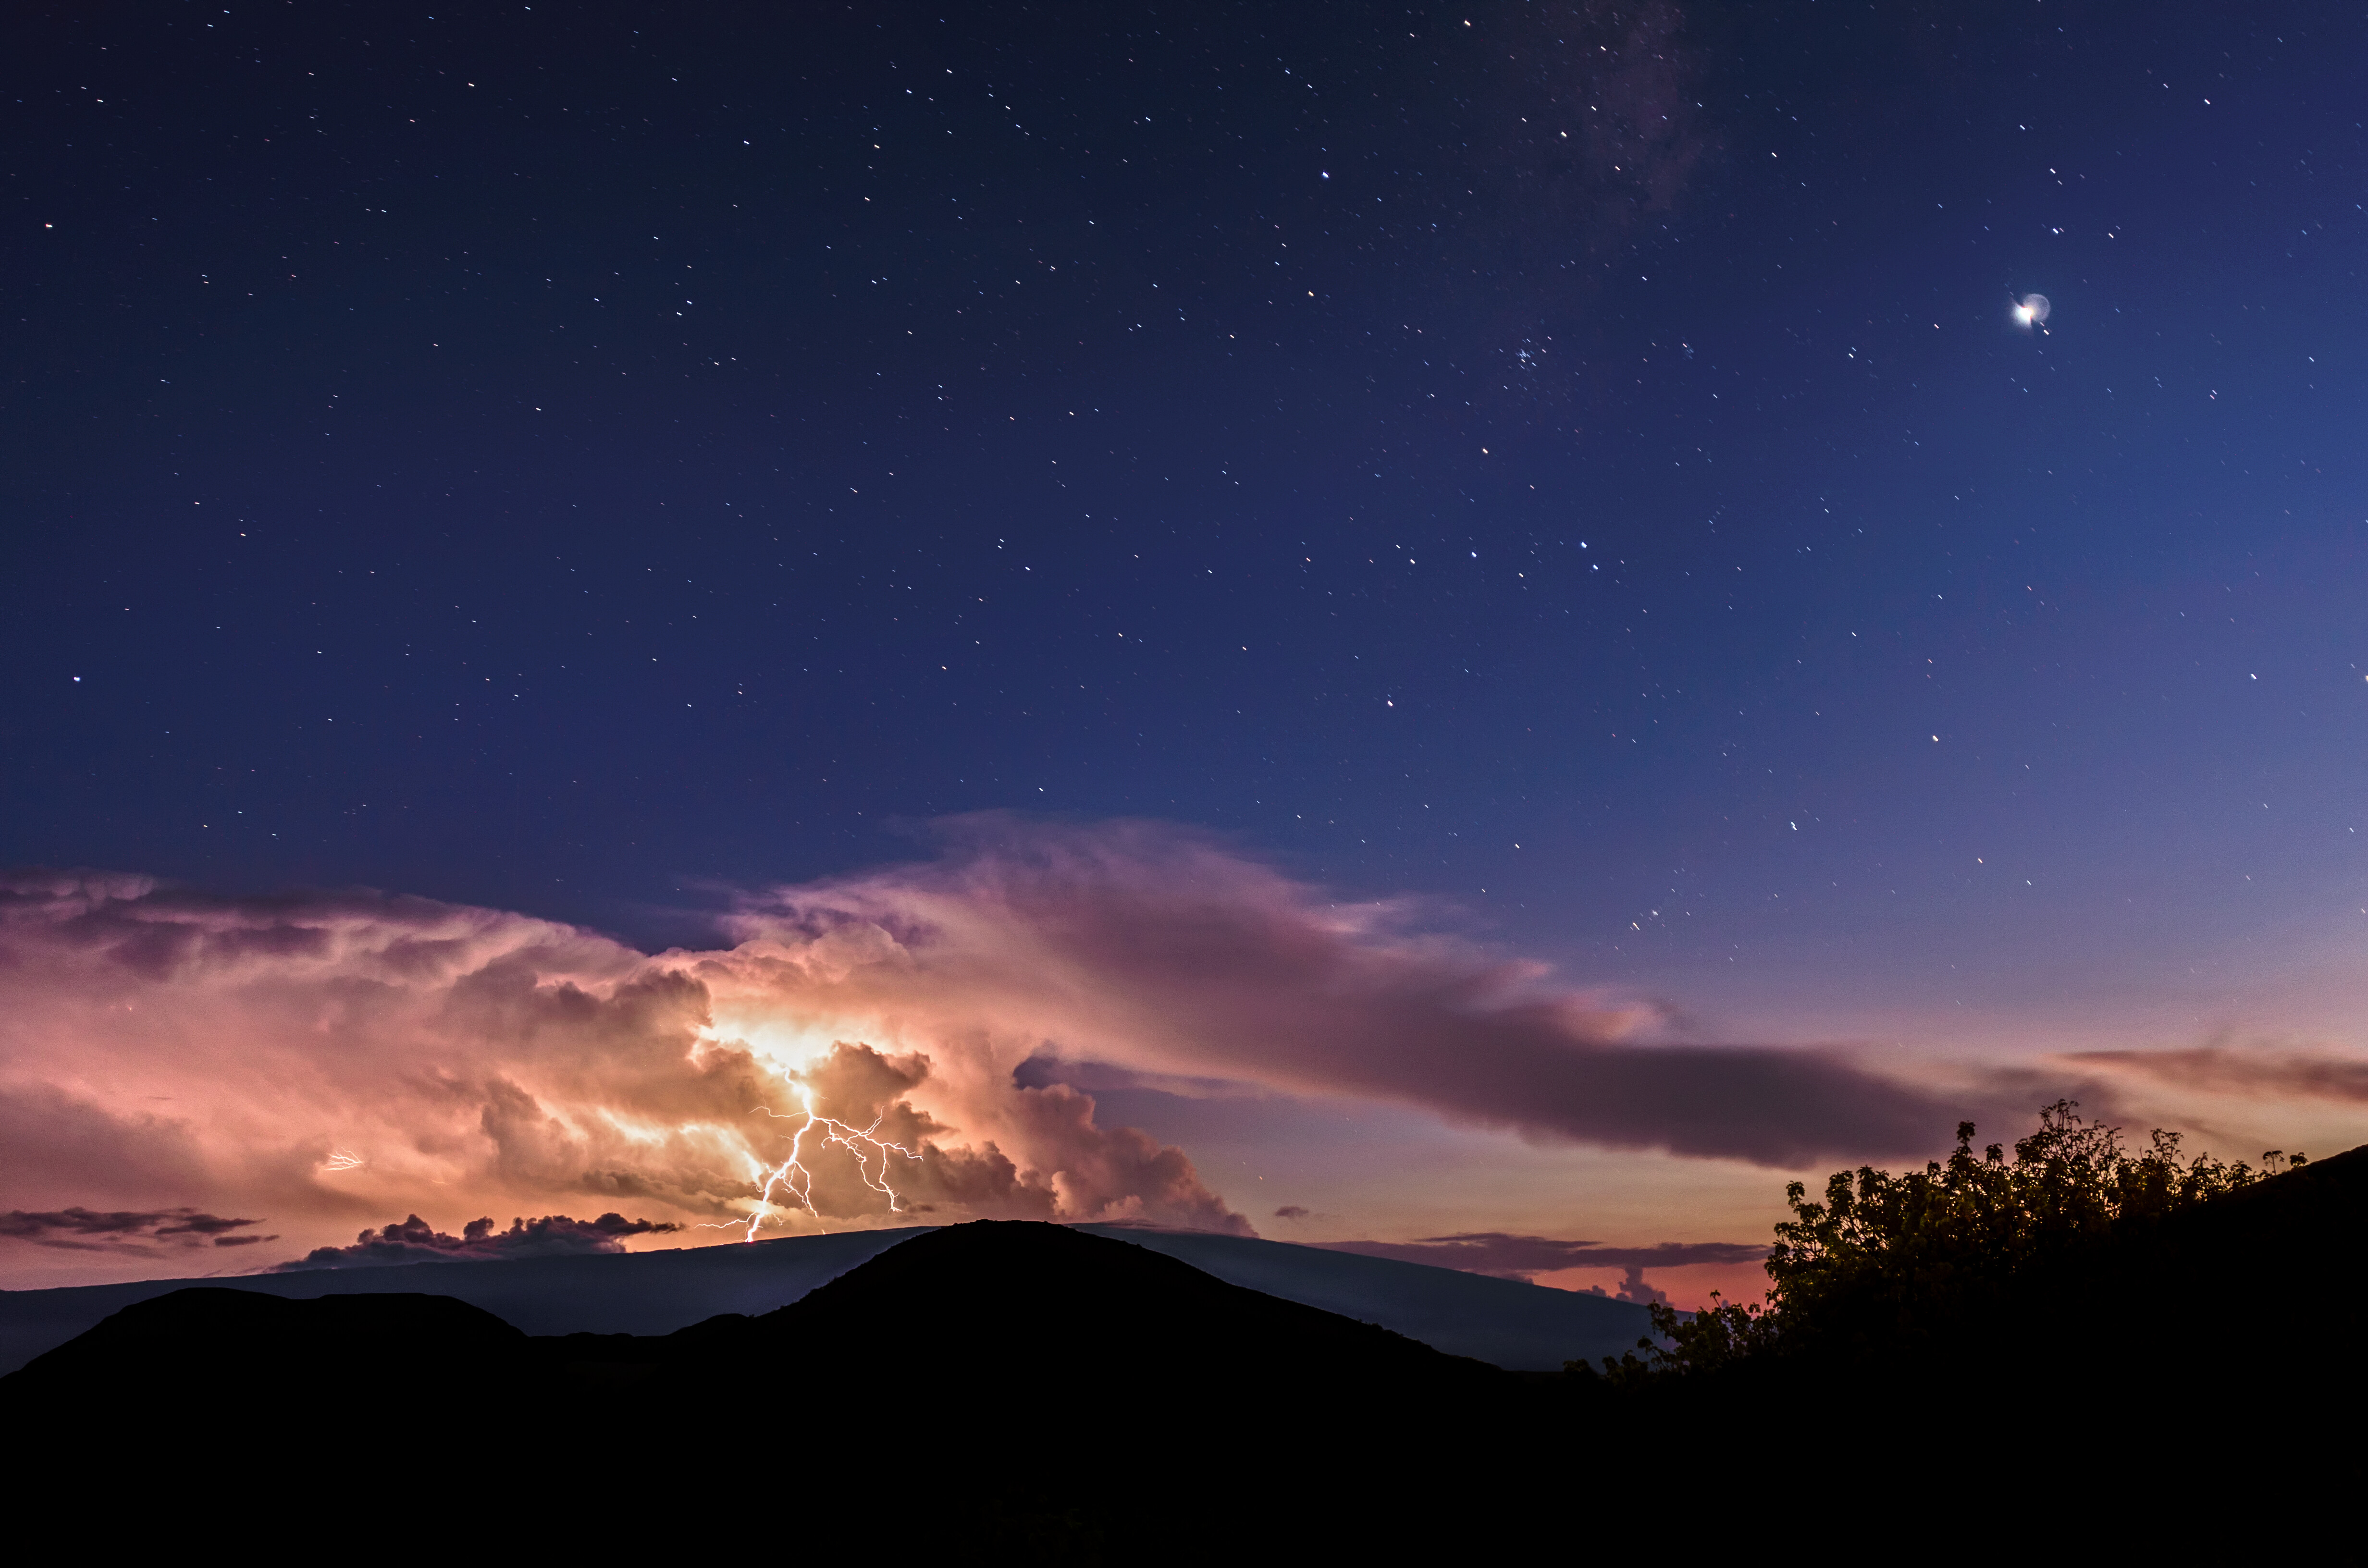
(922, 1036)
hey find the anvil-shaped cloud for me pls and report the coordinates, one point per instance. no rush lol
(322, 1057)
(1168, 953)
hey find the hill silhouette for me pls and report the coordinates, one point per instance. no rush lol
(1113, 1377)
(2195, 1368)
(1067, 1389)
(2253, 1304)
(948, 1311)
(1032, 1393)
(176, 1353)
(1504, 1322)
(2204, 1288)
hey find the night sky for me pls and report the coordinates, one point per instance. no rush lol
(1573, 470)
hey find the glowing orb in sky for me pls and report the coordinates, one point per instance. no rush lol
(2030, 309)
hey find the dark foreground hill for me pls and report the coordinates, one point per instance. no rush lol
(1032, 1382)
(1021, 1393)
(2248, 1307)
(2198, 1374)
(1504, 1322)
(960, 1310)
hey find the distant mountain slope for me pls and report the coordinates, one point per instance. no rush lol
(649, 1292)
(201, 1343)
(1523, 1327)
(1030, 1391)
(1005, 1311)
(979, 1311)
(1506, 1323)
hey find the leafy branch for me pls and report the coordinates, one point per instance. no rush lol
(1887, 1263)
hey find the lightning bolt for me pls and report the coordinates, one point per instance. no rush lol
(340, 1160)
(792, 1176)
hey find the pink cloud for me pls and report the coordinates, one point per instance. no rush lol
(77, 1229)
(321, 1057)
(1525, 1257)
(1166, 953)
(318, 1059)
(2223, 1069)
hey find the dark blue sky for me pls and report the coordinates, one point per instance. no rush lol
(1576, 460)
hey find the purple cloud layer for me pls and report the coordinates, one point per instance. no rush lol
(79, 1229)
(414, 1241)
(1521, 1257)
(925, 1036)
(1166, 952)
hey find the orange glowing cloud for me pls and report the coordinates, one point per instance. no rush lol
(328, 1059)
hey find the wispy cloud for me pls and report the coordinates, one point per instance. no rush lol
(331, 1054)
(1521, 1257)
(79, 1229)
(2226, 1070)
(330, 1057)
(1166, 952)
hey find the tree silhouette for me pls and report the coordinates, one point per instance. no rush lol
(1886, 1265)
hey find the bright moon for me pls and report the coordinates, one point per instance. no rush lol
(2030, 309)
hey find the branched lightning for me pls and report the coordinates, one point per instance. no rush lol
(792, 1176)
(340, 1160)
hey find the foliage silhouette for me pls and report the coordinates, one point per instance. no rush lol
(1893, 1266)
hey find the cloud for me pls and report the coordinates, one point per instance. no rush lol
(2290, 1074)
(1164, 953)
(416, 1241)
(57, 1142)
(330, 1058)
(1634, 1289)
(1290, 1212)
(79, 1229)
(1521, 1257)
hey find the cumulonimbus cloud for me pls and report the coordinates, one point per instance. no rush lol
(324, 1057)
(327, 1058)
(413, 1240)
(1168, 954)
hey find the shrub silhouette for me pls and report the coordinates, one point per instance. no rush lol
(1887, 1266)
